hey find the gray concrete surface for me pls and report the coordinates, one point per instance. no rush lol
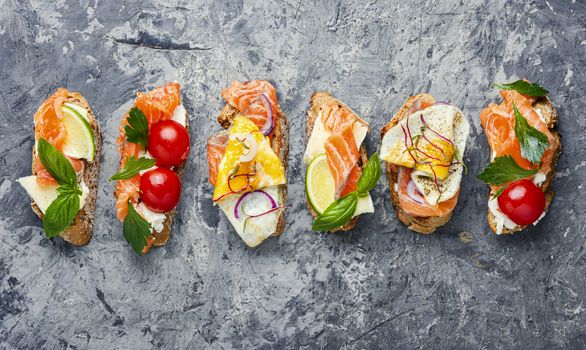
(379, 286)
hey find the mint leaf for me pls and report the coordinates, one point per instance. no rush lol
(61, 213)
(370, 176)
(136, 230)
(56, 164)
(132, 167)
(504, 169)
(533, 142)
(137, 130)
(337, 214)
(525, 88)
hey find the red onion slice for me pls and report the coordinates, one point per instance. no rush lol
(414, 193)
(242, 199)
(442, 103)
(269, 124)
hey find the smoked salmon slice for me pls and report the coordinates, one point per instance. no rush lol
(498, 122)
(216, 147)
(340, 147)
(342, 155)
(49, 126)
(247, 98)
(420, 207)
(157, 104)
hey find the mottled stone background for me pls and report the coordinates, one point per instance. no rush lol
(380, 286)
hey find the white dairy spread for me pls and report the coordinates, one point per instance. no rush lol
(539, 179)
(502, 221)
(156, 220)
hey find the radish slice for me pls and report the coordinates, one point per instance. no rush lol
(246, 197)
(252, 147)
(413, 193)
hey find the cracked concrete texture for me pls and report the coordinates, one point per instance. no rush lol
(379, 286)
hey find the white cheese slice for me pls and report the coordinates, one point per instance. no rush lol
(319, 135)
(364, 205)
(259, 228)
(43, 196)
(180, 115)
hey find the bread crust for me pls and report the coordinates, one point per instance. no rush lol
(549, 112)
(423, 225)
(80, 232)
(279, 144)
(315, 103)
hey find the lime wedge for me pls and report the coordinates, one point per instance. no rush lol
(319, 184)
(80, 137)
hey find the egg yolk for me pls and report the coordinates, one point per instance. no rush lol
(435, 158)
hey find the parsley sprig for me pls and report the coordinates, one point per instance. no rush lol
(342, 210)
(137, 130)
(132, 167)
(533, 142)
(136, 230)
(63, 210)
(502, 171)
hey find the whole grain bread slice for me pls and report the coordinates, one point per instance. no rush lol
(80, 232)
(279, 144)
(162, 237)
(423, 225)
(317, 101)
(550, 115)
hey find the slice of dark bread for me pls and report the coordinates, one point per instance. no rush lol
(162, 237)
(318, 99)
(279, 144)
(80, 232)
(424, 225)
(548, 111)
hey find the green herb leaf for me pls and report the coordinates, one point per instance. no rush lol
(56, 164)
(525, 88)
(137, 130)
(499, 192)
(502, 170)
(337, 214)
(61, 212)
(136, 230)
(132, 167)
(370, 176)
(533, 142)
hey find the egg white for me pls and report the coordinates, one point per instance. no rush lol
(448, 121)
(257, 229)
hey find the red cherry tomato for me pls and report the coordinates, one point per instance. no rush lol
(160, 189)
(522, 201)
(168, 143)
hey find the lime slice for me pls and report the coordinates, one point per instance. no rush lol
(80, 137)
(319, 184)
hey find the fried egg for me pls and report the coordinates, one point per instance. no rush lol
(249, 162)
(432, 142)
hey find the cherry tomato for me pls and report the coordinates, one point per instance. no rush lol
(160, 189)
(168, 143)
(522, 201)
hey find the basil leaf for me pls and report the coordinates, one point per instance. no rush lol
(337, 214)
(136, 230)
(67, 189)
(137, 130)
(132, 167)
(61, 213)
(533, 142)
(502, 170)
(525, 88)
(56, 164)
(370, 176)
